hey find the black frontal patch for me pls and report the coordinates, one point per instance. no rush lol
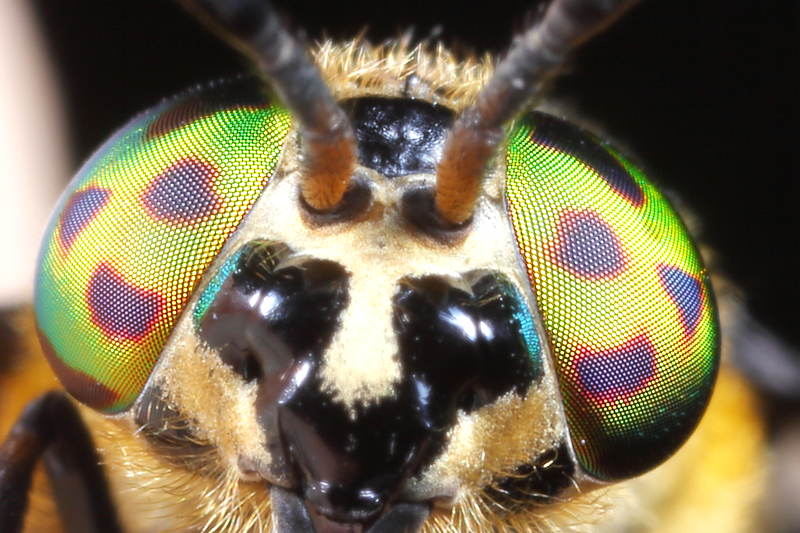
(398, 136)
(463, 349)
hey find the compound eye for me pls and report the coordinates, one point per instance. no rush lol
(625, 299)
(138, 227)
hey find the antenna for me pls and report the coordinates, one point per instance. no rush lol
(533, 58)
(329, 150)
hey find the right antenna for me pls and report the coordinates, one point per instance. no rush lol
(533, 58)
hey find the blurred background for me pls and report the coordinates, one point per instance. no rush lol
(702, 93)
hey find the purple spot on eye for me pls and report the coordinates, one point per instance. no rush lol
(618, 373)
(177, 116)
(119, 308)
(229, 95)
(81, 385)
(622, 183)
(588, 247)
(80, 210)
(570, 139)
(183, 193)
(687, 293)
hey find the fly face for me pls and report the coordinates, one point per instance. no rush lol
(379, 304)
(369, 376)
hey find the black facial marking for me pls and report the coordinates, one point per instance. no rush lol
(460, 348)
(535, 483)
(398, 136)
(505, 321)
(463, 349)
(568, 138)
(265, 314)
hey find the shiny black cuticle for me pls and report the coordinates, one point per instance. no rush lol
(398, 136)
(463, 349)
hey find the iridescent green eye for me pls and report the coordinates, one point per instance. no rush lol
(625, 299)
(138, 227)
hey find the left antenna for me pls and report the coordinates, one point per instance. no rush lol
(329, 150)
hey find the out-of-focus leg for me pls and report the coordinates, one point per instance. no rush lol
(51, 428)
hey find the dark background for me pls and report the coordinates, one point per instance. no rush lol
(698, 91)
